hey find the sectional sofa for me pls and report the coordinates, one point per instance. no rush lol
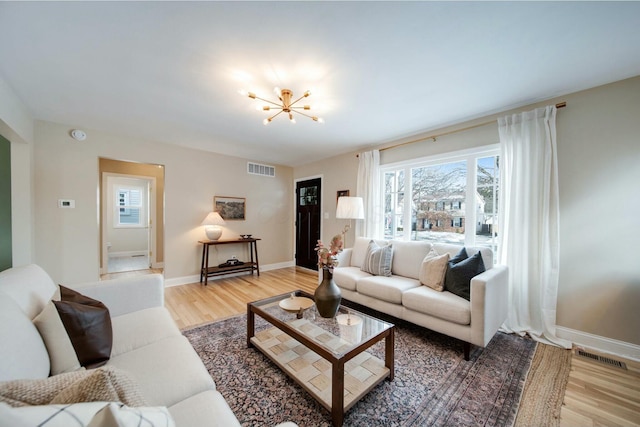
(147, 345)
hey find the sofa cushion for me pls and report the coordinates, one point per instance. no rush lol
(433, 270)
(167, 371)
(61, 353)
(388, 289)
(206, 408)
(22, 353)
(105, 384)
(141, 328)
(459, 275)
(88, 324)
(347, 277)
(377, 260)
(443, 305)
(452, 250)
(408, 256)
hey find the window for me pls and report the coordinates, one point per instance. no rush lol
(129, 207)
(440, 196)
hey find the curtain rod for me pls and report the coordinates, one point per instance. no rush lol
(433, 137)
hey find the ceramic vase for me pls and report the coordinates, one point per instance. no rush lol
(327, 295)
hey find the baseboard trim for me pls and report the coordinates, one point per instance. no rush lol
(603, 344)
(185, 280)
(126, 253)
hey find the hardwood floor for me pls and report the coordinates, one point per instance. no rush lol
(601, 395)
(596, 395)
(194, 304)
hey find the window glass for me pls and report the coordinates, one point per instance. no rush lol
(129, 207)
(450, 200)
(438, 200)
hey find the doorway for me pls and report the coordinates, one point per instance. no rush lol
(128, 222)
(308, 221)
(131, 218)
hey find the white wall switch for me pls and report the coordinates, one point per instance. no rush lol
(66, 203)
(326, 215)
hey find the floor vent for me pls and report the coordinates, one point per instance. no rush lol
(263, 170)
(601, 359)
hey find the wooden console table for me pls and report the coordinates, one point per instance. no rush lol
(206, 271)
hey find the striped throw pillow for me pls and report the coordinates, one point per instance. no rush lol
(377, 260)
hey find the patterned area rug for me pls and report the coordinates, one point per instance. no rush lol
(433, 385)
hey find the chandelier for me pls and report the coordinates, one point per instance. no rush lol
(284, 106)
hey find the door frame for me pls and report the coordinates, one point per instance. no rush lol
(151, 220)
(295, 207)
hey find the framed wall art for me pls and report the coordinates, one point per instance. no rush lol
(342, 193)
(230, 208)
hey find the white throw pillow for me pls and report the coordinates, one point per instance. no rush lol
(433, 270)
(89, 414)
(61, 352)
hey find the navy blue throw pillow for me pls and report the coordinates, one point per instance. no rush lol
(459, 275)
(461, 256)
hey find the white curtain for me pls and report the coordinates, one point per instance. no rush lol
(529, 222)
(368, 187)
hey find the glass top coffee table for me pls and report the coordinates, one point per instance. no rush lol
(326, 357)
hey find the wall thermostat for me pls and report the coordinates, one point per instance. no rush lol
(66, 203)
(78, 135)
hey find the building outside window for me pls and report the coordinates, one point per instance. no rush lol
(449, 199)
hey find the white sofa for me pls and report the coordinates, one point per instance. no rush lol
(147, 344)
(403, 296)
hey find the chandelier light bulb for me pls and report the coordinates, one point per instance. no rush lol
(243, 92)
(266, 121)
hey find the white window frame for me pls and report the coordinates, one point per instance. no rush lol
(142, 218)
(471, 157)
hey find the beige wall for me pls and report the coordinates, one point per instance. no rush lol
(67, 243)
(599, 172)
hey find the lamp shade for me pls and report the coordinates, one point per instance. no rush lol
(350, 208)
(212, 224)
(213, 218)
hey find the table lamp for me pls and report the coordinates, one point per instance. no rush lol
(349, 208)
(212, 224)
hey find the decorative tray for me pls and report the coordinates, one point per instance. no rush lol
(294, 304)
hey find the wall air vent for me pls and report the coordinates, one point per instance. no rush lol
(262, 170)
(602, 359)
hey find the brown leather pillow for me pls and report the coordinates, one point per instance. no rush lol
(88, 325)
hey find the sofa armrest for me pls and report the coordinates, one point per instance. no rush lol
(126, 295)
(489, 303)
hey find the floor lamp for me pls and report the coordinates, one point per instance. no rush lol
(349, 208)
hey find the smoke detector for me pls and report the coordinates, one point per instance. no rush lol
(78, 135)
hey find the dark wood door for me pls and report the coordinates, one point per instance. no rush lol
(308, 216)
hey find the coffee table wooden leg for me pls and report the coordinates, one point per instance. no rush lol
(250, 325)
(389, 358)
(337, 393)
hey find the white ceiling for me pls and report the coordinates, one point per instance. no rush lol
(379, 71)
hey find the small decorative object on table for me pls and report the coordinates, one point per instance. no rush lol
(327, 294)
